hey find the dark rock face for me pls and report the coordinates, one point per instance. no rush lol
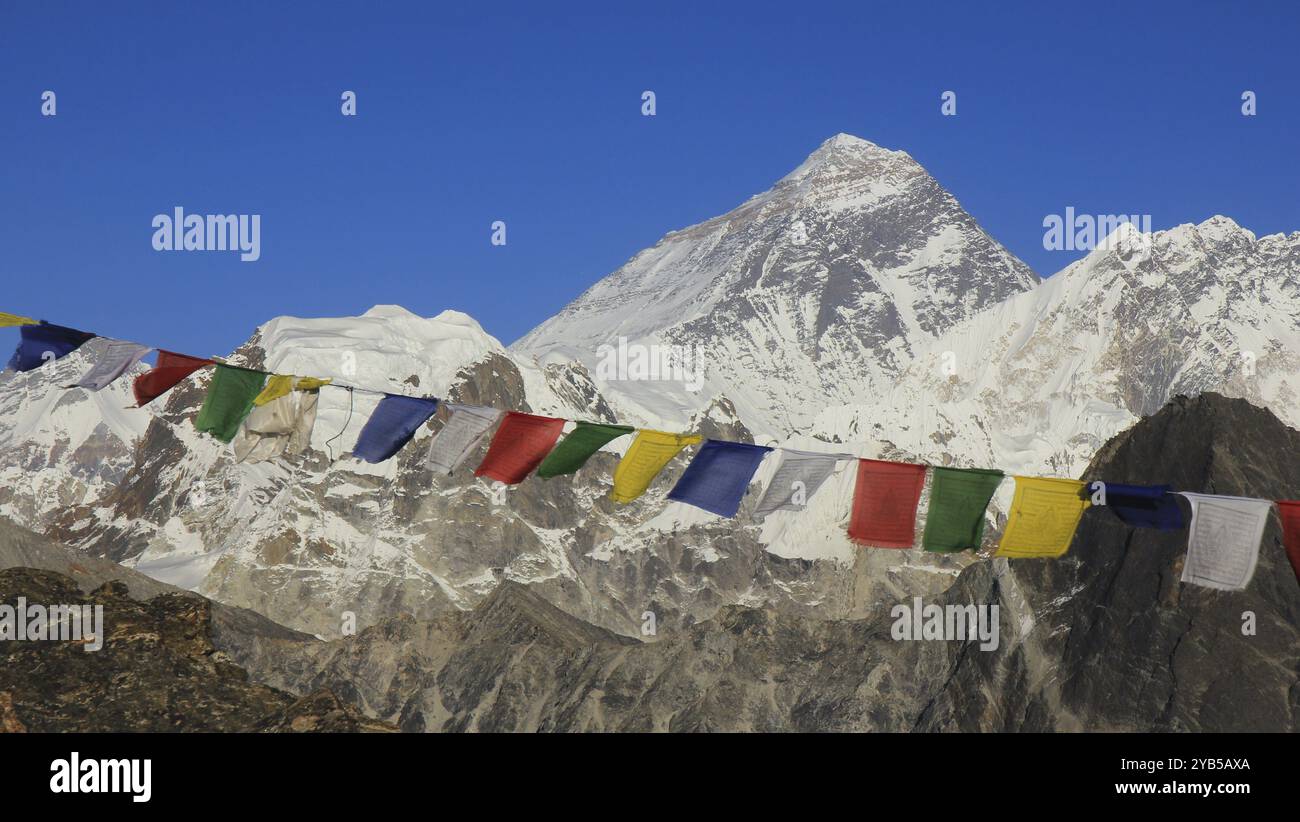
(517, 663)
(1118, 642)
(158, 670)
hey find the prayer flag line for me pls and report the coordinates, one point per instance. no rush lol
(1223, 539)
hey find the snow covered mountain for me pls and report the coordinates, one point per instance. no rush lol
(854, 307)
(1039, 382)
(815, 293)
(60, 448)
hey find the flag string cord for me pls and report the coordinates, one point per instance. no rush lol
(348, 421)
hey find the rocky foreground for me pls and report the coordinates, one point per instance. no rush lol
(158, 670)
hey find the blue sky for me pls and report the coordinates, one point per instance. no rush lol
(530, 113)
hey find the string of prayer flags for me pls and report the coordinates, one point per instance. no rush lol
(1289, 512)
(169, 369)
(1140, 506)
(282, 426)
(461, 434)
(645, 458)
(281, 385)
(265, 416)
(798, 476)
(577, 447)
(718, 476)
(958, 499)
(1044, 515)
(520, 445)
(884, 503)
(230, 398)
(43, 342)
(1223, 545)
(392, 425)
(9, 320)
(115, 357)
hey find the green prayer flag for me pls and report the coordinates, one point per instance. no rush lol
(230, 399)
(578, 446)
(958, 498)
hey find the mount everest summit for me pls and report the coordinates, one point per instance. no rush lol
(815, 293)
(853, 306)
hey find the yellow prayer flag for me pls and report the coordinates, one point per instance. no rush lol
(7, 320)
(1044, 515)
(649, 453)
(277, 386)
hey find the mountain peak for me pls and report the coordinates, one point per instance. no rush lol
(1216, 229)
(451, 316)
(1189, 239)
(842, 150)
(813, 293)
(1220, 226)
(385, 347)
(395, 312)
(450, 321)
(1126, 238)
(1211, 428)
(844, 140)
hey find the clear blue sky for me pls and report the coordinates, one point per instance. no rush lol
(530, 113)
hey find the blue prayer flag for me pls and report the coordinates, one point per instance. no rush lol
(1144, 506)
(717, 478)
(393, 423)
(43, 342)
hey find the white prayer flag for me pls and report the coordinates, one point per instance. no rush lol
(115, 358)
(281, 426)
(797, 478)
(462, 433)
(1223, 540)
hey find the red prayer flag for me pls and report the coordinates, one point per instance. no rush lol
(520, 445)
(884, 503)
(170, 369)
(1289, 512)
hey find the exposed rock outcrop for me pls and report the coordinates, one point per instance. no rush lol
(158, 670)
